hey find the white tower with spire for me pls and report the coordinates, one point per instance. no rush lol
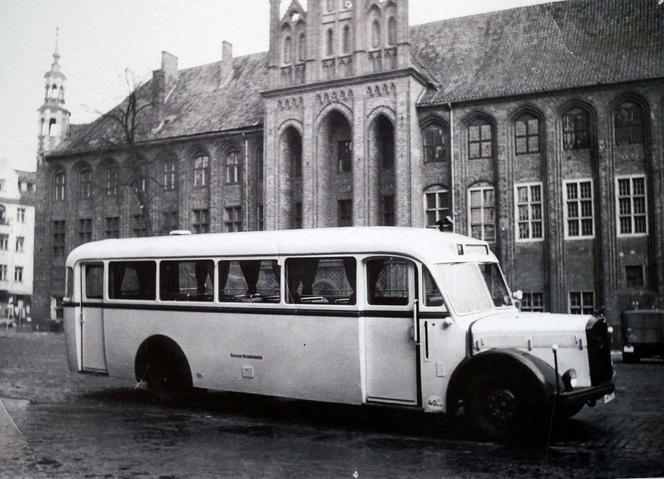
(53, 116)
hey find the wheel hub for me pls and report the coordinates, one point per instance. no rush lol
(501, 405)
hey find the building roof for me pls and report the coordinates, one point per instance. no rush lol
(202, 101)
(539, 48)
(560, 45)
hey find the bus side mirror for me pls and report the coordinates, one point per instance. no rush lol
(517, 295)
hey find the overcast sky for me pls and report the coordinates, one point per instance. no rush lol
(99, 39)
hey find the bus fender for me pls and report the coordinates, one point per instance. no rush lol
(160, 345)
(511, 362)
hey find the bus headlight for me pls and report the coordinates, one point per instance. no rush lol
(569, 379)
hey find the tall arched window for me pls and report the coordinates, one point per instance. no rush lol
(232, 168)
(111, 180)
(576, 130)
(628, 121)
(392, 31)
(201, 170)
(85, 183)
(169, 174)
(435, 144)
(60, 186)
(288, 50)
(329, 43)
(526, 134)
(302, 47)
(375, 34)
(480, 139)
(346, 39)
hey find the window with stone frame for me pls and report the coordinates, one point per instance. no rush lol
(4, 242)
(628, 122)
(233, 219)
(201, 170)
(20, 244)
(387, 210)
(169, 221)
(139, 226)
(288, 50)
(329, 42)
(376, 38)
(84, 230)
(344, 156)
(18, 274)
(578, 198)
(111, 180)
(634, 276)
(529, 212)
(59, 232)
(576, 130)
(582, 302)
(533, 302)
(436, 205)
(527, 134)
(435, 142)
(201, 221)
(302, 48)
(632, 205)
(85, 183)
(345, 213)
(20, 214)
(170, 175)
(233, 168)
(480, 139)
(391, 31)
(346, 40)
(60, 186)
(112, 227)
(482, 211)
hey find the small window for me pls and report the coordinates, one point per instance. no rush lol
(132, 280)
(85, 230)
(85, 186)
(233, 219)
(345, 213)
(575, 130)
(344, 156)
(532, 302)
(113, 227)
(18, 274)
(579, 209)
(232, 168)
(94, 281)
(329, 47)
(432, 295)
(201, 221)
(480, 140)
(288, 50)
(139, 227)
(169, 221)
(249, 281)
(186, 280)
(4, 242)
(582, 302)
(387, 210)
(529, 220)
(482, 216)
(634, 277)
(346, 41)
(169, 175)
(526, 134)
(201, 170)
(60, 185)
(388, 282)
(302, 48)
(321, 280)
(632, 208)
(436, 205)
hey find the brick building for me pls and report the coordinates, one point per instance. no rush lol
(538, 129)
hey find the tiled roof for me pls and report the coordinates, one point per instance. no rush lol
(201, 102)
(540, 48)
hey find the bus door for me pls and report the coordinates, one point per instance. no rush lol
(390, 346)
(93, 354)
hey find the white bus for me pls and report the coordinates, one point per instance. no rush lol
(400, 316)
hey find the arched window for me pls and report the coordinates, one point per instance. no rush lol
(60, 186)
(288, 50)
(302, 47)
(201, 170)
(85, 183)
(435, 144)
(232, 168)
(170, 167)
(391, 31)
(375, 34)
(62, 93)
(436, 205)
(576, 130)
(329, 44)
(481, 212)
(526, 134)
(346, 39)
(111, 180)
(52, 127)
(628, 121)
(480, 139)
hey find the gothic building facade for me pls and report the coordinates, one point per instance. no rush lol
(538, 129)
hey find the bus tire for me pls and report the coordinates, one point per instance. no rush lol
(162, 364)
(502, 407)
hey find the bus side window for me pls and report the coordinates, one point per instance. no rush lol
(94, 281)
(387, 282)
(249, 281)
(132, 280)
(186, 280)
(321, 280)
(69, 283)
(432, 296)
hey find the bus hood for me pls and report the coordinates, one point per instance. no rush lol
(529, 331)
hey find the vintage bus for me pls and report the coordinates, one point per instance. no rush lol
(406, 317)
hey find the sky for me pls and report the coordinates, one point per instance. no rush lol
(99, 40)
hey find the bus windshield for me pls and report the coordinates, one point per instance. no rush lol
(474, 287)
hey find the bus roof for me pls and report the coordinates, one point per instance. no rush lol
(427, 245)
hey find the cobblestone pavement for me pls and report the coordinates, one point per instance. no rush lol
(56, 424)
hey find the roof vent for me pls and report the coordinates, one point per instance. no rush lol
(179, 233)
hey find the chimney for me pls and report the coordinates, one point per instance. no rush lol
(226, 68)
(169, 65)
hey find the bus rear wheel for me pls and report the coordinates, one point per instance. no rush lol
(166, 372)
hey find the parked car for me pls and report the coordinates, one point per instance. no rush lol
(643, 334)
